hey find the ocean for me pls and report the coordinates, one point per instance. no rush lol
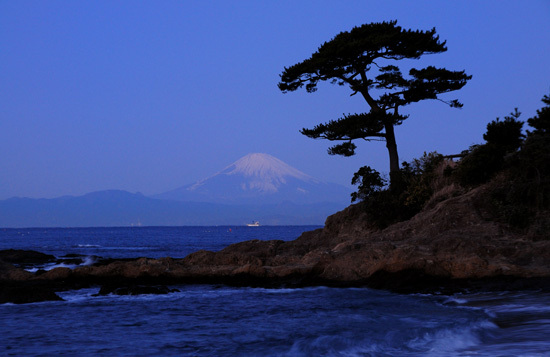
(216, 320)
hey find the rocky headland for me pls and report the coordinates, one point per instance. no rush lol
(452, 244)
(440, 226)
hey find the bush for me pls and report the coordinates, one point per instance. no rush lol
(505, 134)
(541, 122)
(479, 164)
(530, 173)
(385, 208)
(482, 162)
(420, 175)
(369, 182)
(411, 187)
(523, 190)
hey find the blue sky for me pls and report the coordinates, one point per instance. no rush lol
(150, 95)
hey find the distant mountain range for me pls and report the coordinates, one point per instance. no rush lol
(256, 187)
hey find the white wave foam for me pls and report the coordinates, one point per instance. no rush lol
(450, 341)
(89, 260)
(288, 290)
(73, 296)
(60, 265)
(45, 267)
(331, 345)
(455, 300)
(127, 248)
(522, 308)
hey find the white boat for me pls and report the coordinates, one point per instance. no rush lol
(253, 224)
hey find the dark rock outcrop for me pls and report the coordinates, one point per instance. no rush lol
(9, 272)
(25, 257)
(27, 293)
(17, 286)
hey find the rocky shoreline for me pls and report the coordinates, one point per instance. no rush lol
(449, 246)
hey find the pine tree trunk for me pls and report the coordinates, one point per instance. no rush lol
(390, 133)
(392, 148)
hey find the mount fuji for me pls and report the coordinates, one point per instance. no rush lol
(259, 179)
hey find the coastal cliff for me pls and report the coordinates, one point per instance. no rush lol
(455, 240)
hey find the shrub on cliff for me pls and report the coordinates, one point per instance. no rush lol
(505, 134)
(411, 187)
(482, 162)
(541, 121)
(479, 164)
(522, 197)
(369, 182)
(522, 194)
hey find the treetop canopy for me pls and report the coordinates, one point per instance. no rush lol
(351, 52)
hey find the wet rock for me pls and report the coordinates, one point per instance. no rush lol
(39, 272)
(100, 261)
(27, 293)
(56, 274)
(9, 272)
(25, 257)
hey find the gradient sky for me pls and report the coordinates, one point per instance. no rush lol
(150, 95)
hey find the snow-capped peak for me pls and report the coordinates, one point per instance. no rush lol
(259, 178)
(261, 172)
(264, 166)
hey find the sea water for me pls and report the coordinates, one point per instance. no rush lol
(216, 320)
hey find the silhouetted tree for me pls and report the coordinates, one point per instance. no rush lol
(541, 122)
(369, 181)
(355, 59)
(505, 134)
(482, 162)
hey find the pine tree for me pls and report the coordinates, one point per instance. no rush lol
(363, 59)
